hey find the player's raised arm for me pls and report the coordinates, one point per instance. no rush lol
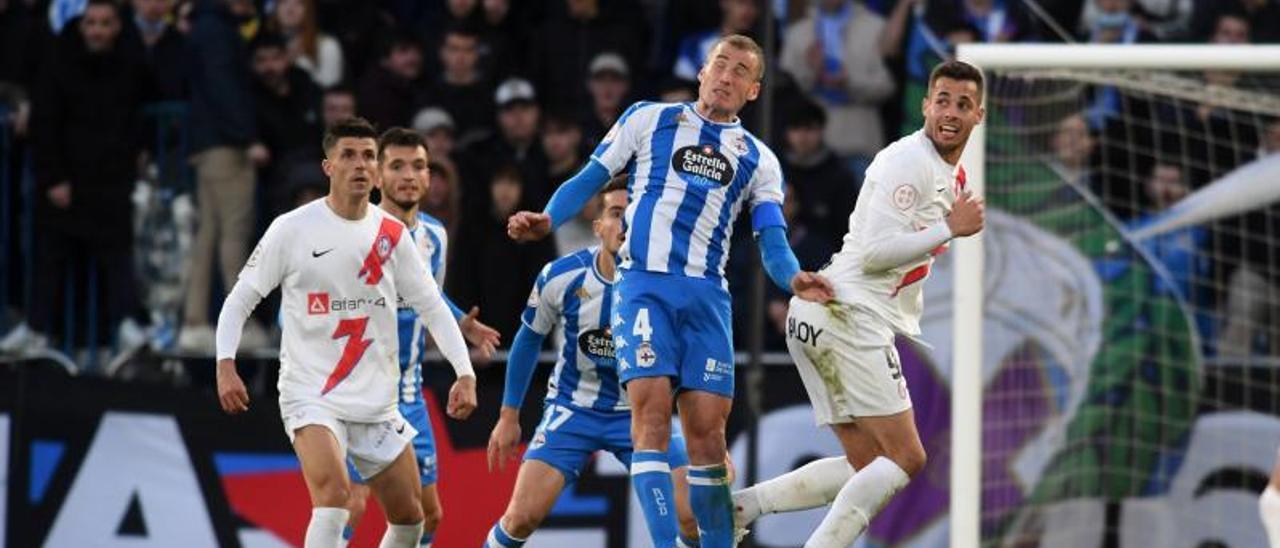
(770, 228)
(610, 156)
(420, 292)
(260, 275)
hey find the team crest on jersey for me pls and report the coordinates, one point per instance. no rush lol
(702, 166)
(317, 303)
(597, 344)
(384, 247)
(904, 196)
(740, 145)
(645, 355)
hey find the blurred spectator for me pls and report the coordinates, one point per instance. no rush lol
(86, 134)
(833, 55)
(62, 12)
(674, 90)
(1270, 140)
(1263, 16)
(311, 50)
(516, 143)
(825, 189)
(288, 106)
(995, 20)
(438, 21)
(562, 142)
(1115, 23)
(338, 104)
(437, 129)
(388, 92)
(22, 36)
(573, 33)
(1180, 251)
(1072, 145)
(182, 16)
(491, 270)
(917, 41)
(361, 28)
(504, 36)
(442, 198)
(736, 17)
(609, 84)
(225, 148)
(163, 46)
(461, 89)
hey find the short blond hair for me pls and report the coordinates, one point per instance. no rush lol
(744, 43)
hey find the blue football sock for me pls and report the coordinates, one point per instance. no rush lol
(651, 479)
(426, 539)
(348, 532)
(712, 504)
(498, 538)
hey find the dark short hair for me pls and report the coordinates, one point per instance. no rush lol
(110, 3)
(507, 171)
(806, 113)
(559, 120)
(340, 89)
(268, 40)
(957, 70)
(351, 127)
(618, 182)
(463, 28)
(396, 39)
(401, 137)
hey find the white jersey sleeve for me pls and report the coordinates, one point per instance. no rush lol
(543, 308)
(421, 292)
(623, 139)
(767, 183)
(269, 263)
(891, 237)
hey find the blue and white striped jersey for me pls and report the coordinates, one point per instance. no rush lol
(689, 179)
(571, 292)
(432, 241)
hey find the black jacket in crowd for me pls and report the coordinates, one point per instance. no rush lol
(86, 130)
(827, 192)
(220, 81)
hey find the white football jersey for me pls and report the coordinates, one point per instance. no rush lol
(339, 280)
(908, 187)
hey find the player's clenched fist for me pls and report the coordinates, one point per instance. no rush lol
(967, 215)
(527, 226)
(462, 397)
(812, 287)
(231, 392)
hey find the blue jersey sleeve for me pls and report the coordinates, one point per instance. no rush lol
(570, 198)
(778, 258)
(521, 361)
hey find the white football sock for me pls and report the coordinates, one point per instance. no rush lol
(859, 500)
(1269, 508)
(325, 528)
(401, 536)
(810, 486)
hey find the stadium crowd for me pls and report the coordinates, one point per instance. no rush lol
(160, 137)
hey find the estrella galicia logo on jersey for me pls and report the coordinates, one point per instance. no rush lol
(598, 344)
(702, 165)
(317, 303)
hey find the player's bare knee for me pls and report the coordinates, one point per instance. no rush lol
(404, 514)
(911, 460)
(651, 429)
(521, 523)
(431, 518)
(331, 492)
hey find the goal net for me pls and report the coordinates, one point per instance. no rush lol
(1130, 289)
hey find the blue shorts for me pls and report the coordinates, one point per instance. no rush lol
(424, 444)
(674, 326)
(569, 435)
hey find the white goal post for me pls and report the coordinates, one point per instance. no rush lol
(968, 291)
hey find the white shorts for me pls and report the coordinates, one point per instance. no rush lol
(847, 362)
(372, 446)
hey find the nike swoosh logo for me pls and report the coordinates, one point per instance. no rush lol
(315, 253)
(942, 189)
(400, 429)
